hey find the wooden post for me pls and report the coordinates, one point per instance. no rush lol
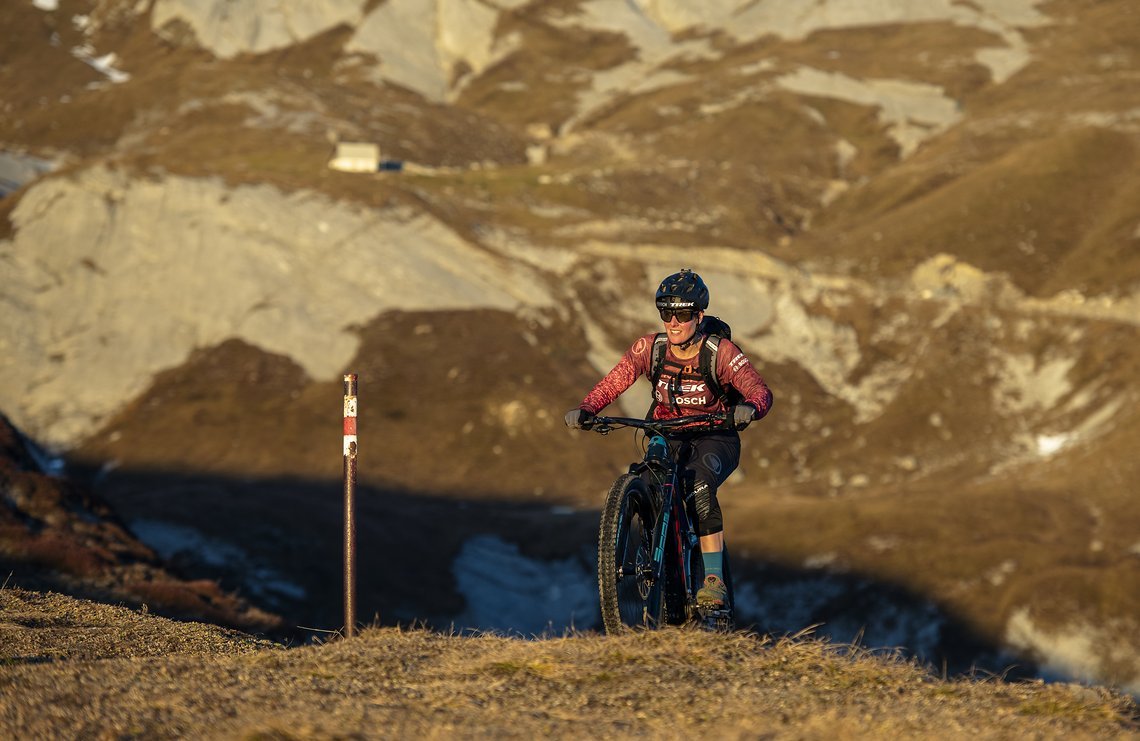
(349, 505)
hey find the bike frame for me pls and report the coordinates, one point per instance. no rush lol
(674, 528)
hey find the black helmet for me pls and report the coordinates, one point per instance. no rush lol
(683, 290)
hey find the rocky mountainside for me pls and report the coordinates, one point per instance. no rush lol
(921, 220)
(58, 535)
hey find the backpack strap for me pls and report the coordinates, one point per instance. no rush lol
(656, 364)
(707, 365)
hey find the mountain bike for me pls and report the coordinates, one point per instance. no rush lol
(649, 556)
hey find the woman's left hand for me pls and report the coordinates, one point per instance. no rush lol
(742, 415)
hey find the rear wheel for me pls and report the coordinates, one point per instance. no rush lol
(628, 594)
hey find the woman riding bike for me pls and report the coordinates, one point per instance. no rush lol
(681, 390)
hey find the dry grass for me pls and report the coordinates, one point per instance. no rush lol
(76, 669)
(38, 627)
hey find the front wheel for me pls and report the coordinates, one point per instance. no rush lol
(629, 596)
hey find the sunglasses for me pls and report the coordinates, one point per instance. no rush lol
(683, 315)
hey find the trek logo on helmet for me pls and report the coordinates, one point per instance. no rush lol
(682, 290)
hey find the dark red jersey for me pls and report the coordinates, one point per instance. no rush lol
(689, 394)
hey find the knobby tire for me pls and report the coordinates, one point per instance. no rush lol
(625, 542)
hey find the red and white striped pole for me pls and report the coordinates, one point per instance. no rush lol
(349, 505)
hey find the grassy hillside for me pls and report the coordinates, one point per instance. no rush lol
(77, 669)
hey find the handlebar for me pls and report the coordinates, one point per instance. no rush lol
(695, 422)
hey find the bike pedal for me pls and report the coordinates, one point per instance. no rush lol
(718, 620)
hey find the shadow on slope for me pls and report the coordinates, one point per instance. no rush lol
(522, 569)
(58, 535)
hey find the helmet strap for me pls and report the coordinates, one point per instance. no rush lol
(689, 342)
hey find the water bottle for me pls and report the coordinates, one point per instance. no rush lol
(658, 449)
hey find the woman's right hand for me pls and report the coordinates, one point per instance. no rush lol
(578, 418)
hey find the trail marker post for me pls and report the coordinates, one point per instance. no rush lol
(349, 505)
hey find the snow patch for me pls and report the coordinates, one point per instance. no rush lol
(1047, 445)
(17, 170)
(104, 64)
(820, 560)
(508, 592)
(1080, 651)
(842, 612)
(170, 540)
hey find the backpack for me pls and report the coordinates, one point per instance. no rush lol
(715, 329)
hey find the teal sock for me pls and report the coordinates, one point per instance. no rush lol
(714, 563)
